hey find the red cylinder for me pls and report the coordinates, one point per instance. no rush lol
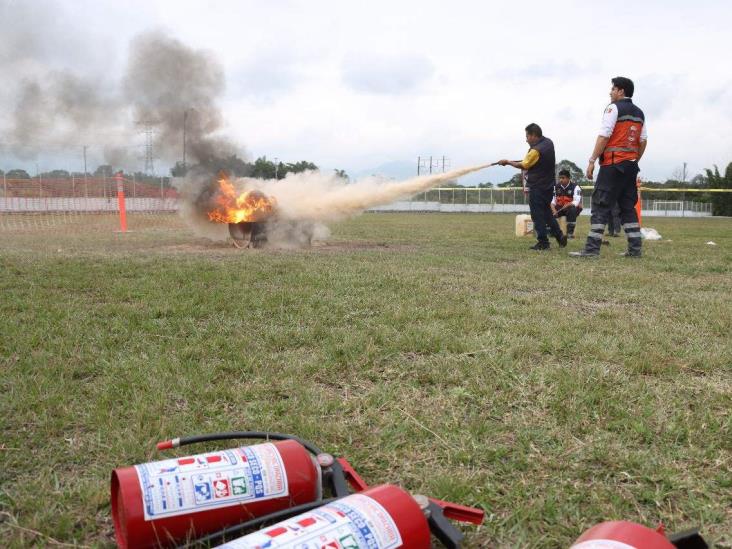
(160, 503)
(621, 534)
(384, 516)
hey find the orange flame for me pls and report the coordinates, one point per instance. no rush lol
(233, 208)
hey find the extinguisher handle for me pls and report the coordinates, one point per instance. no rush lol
(353, 478)
(459, 512)
(442, 528)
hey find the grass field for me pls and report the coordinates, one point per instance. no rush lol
(434, 351)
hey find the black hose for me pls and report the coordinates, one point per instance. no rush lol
(183, 441)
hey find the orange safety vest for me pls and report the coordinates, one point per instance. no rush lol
(624, 143)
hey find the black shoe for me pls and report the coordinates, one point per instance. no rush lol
(631, 254)
(562, 240)
(585, 254)
(540, 246)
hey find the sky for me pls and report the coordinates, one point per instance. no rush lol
(369, 87)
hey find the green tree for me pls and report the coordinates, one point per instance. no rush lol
(104, 170)
(266, 169)
(721, 202)
(57, 174)
(515, 181)
(301, 166)
(342, 174)
(575, 173)
(17, 174)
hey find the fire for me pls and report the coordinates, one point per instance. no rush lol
(246, 206)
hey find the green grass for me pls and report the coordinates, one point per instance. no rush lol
(433, 351)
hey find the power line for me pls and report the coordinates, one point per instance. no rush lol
(149, 131)
(432, 164)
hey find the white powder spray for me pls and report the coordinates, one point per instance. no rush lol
(319, 197)
(304, 201)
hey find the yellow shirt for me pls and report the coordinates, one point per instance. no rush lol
(531, 158)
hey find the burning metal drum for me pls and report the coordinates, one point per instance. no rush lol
(248, 234)
(253, 219)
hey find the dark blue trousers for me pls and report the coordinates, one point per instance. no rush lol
(541, 214)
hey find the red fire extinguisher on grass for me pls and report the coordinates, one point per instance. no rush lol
(623, 534)
(161, 503)
(384, 516)
(219, 496)
(381, 517)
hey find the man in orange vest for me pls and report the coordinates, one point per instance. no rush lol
(619, 147)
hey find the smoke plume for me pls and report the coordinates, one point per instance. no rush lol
(52, 108)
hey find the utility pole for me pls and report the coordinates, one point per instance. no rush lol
(435, 163)
(149, 132)
(185, 123)
(149, 167)
(277, 165)
(684, 173)
(86, 184)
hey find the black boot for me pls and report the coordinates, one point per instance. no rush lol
(592, 245)
(540, 245)
(562, 239)
(634, 247)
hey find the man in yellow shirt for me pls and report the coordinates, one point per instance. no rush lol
(540, 165)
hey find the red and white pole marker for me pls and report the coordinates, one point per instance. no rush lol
(121, 202)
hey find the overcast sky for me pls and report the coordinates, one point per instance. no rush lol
(359, 85)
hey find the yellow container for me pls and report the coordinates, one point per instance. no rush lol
(524, 225)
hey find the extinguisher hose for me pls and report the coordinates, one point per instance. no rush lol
(239, 530)
(231, 435)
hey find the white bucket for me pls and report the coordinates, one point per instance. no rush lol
(524, 225)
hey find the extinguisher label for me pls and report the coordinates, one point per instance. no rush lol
(354, 522)
(217, 479)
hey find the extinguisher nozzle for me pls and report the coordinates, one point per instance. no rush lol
(168, 444)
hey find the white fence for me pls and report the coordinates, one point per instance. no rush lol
(15, 204)
(442, 200)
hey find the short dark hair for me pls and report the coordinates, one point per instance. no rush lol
(625, 84)
(564, 173)
(534, 129)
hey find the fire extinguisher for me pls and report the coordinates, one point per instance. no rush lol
(164, 502)
(623, 534)
(217, 496)
(382, 517)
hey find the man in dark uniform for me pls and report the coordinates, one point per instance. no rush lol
(539, 164)
(567, 201)
(619, 147)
